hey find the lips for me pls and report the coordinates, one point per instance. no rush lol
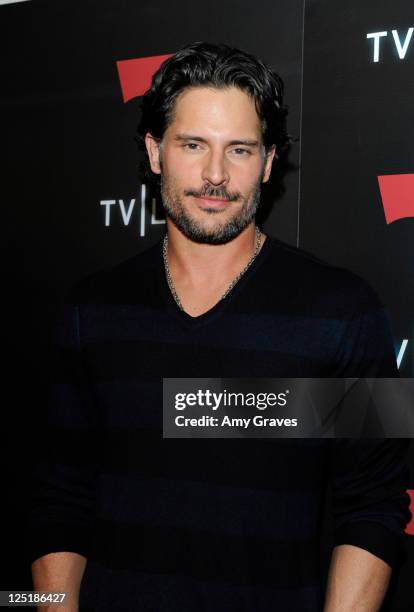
(212, 202)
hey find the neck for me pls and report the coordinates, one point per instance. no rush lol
(198, 263)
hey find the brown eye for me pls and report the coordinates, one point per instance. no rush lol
(241, 152)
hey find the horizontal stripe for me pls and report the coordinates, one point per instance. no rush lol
(119, 361)
(204, 506)
(206, 555)
(263, 464)
(101, 589)
(252, 331)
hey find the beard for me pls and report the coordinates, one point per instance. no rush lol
(194, 229)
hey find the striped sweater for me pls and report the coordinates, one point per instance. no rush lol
(200, 525)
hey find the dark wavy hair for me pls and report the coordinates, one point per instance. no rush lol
(205, 64)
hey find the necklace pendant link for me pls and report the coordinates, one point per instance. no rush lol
(232, 284)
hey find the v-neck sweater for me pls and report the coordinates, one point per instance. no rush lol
(173, 525)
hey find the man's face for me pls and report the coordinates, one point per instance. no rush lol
(212, 163)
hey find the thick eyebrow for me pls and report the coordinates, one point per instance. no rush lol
(245, 142)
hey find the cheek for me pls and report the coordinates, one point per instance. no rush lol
(187, 175)
(247, 177)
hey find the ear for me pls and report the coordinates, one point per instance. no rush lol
(153, 150)
(270, 154)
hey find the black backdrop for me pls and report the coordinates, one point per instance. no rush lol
(72, 201)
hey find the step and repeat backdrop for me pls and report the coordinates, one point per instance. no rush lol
(357, 162)
(73, 73)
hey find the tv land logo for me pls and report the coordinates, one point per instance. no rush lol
(401, 43)
(126, 208)
(397, 194)
(135, 77)
(410, 527)
(401, 351)
(397, 190)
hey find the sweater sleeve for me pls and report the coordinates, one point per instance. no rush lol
(370, 502)
(64, 472)
(370, 476)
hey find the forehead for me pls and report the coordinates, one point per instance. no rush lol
(227, 112)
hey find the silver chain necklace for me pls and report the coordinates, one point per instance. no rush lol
(229, 288)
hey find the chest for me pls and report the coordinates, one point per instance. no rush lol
(130, 343)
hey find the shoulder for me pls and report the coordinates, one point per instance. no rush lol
(331, 298)
(318, 284)
(121, 282)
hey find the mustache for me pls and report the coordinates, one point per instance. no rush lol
(208, 191)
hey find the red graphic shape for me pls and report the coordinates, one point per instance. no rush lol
(410, 527)
(397, 193)
(136, 74)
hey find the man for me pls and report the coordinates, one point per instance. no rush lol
(231, 525)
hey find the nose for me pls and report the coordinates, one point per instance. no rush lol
(215, 170)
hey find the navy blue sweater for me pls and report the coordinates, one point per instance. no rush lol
(200, 525)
